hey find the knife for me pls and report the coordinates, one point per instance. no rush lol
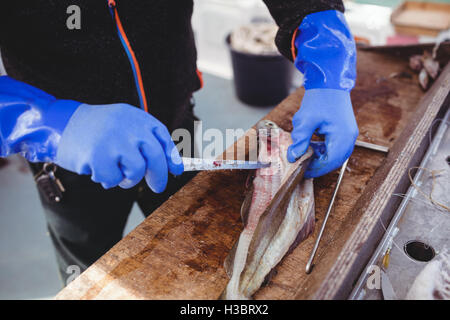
(199, 164)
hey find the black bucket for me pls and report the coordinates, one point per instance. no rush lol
(260, 80)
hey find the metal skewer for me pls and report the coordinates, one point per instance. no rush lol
(371, 146)
(330, 206)
(358, 143)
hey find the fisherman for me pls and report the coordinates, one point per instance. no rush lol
(92, 108)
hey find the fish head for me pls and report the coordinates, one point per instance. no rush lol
(268, 140)
(273, 143)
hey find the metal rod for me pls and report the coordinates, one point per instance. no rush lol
(371, 146)
(358, 143)
(330, 206)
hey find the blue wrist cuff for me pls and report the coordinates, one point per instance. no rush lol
(326, 51)
(31, 121)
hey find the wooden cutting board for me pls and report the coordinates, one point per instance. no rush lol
(178, 251)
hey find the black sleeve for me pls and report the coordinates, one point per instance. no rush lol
(2, 25)
(4, 11)
(288, 15)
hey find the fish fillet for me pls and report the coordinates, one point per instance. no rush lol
(273, 226)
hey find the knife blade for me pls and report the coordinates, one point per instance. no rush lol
(199, 164)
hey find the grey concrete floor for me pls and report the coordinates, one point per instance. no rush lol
(27, 264)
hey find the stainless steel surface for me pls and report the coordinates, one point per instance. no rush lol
(198, 164)
(309, 265)
(371, 146)
(386, 287)
(416, 219)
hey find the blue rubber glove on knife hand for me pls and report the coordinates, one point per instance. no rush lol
(326, 55)
(116, 144)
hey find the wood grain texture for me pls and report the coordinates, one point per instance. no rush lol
(178, 251)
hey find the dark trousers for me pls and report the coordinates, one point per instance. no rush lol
(89, 220)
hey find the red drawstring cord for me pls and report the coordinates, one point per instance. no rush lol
(200, 77)
(293, 49)
(112, 4)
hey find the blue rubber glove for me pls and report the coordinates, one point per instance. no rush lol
(326, 55)
(327, 112)
(31, 121)
(117, 144)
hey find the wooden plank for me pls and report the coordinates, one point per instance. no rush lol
(178, 251)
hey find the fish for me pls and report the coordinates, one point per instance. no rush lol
(424, 79)
(416, 62)
(278, 213)
(431, 66)
(427, 67)
(433, 282)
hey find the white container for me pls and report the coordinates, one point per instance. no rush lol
(371, 22)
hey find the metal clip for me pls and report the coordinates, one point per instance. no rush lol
(50, 186)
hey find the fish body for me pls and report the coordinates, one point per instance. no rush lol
(278, 213)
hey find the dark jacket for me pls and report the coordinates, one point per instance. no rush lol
(90, 65)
